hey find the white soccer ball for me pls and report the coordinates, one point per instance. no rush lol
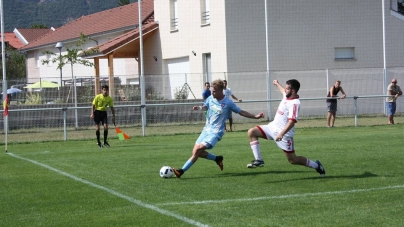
(166, 172)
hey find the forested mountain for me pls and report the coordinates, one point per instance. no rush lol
(51, 13)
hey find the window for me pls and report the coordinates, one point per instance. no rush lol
(205, 12)
(174, 15)
(400, 6)
(344, 53)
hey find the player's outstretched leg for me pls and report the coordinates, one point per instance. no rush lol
(178, 172)
(219, 162)
(320, 169)
(256, 163)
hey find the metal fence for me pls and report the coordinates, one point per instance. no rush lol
(245, 85)
(60, 122)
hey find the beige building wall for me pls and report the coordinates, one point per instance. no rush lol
(36, 70)
(192, 35)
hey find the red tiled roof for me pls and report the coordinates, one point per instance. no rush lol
(12, 40)
(116, 19)
(31, 34)
(123, 40)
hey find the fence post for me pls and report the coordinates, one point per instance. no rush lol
(64, 123)
(356, 110)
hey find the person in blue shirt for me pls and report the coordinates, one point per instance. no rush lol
(206, 93)
(218, 108)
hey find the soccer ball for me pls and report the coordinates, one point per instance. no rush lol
(166, 172)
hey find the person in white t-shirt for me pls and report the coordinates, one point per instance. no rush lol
(228, 93)
(282, 129)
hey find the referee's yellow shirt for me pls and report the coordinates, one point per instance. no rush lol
(101, 102)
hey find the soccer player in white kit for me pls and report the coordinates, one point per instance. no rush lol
(282, 129)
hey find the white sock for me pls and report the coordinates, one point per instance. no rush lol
(311, 164)
(255, 147)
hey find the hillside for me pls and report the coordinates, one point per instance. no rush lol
(51, 13)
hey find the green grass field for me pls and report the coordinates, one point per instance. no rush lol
(74, 183)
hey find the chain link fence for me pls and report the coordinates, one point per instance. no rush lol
(42, 114)
(172, 117)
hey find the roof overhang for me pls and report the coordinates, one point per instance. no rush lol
(124, 46)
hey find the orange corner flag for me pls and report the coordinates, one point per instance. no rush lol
(121, 135)
(5, 106)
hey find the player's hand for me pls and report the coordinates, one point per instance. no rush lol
(276, 82)
(279, 138)
(260, 115)
(91, 115)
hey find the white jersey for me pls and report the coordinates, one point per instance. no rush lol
(288, 110)
(227, 92)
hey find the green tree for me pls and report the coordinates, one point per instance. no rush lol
(72, 56)
(15, 64)
(123, 2)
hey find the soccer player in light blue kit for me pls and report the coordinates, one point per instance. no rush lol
(218, 108)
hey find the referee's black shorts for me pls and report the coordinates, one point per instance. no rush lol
(100, 116)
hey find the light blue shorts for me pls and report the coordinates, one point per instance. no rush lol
(209, 140)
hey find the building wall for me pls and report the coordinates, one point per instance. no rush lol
(191, 35)
(245, 36)
(303, 34)
(51, 73)
(394, 38)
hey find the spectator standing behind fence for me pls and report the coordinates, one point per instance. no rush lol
(394, 91)
(228, 93)
(332, 103)
(218, 107)
(99, 114)
(206, 93)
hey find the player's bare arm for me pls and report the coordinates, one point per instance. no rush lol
(250, 115)
(92, 111)
(113, 114)
(203, 107)
(290, 125)
(343, 93)
(281, 89)
(235, 98)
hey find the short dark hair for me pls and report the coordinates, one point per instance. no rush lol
(207, 83)
(104, 86)
(294, 84)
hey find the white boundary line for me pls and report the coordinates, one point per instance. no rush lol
(120, 195)
(280, 197)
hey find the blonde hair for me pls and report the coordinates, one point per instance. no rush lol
(218, 83)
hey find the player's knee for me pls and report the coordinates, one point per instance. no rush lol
(252, 132)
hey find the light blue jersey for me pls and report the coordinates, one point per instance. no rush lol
(217, 114)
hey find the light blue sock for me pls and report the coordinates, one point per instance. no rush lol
(187, 165)
(211, 157)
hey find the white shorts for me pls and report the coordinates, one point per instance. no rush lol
(270, 133)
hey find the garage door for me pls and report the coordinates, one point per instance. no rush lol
(178, 70)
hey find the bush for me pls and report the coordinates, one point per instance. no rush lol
(181, 93)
